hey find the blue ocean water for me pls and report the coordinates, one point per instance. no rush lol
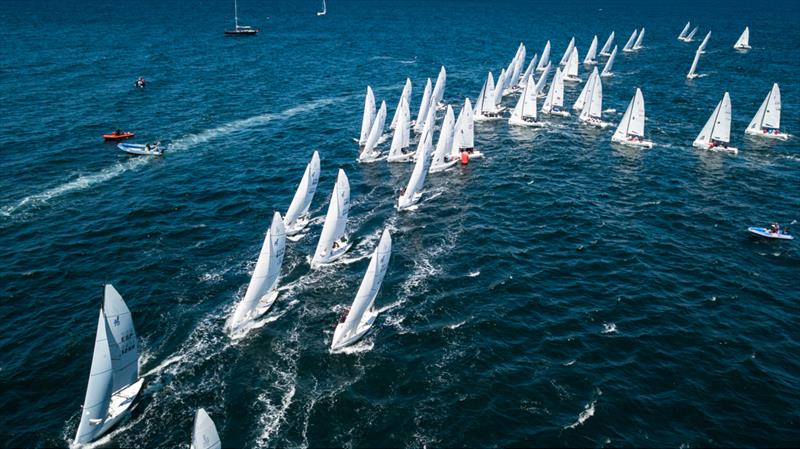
(560, 292)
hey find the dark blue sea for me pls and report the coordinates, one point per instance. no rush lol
(561, 292)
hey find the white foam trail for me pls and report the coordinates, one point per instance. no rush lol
(587, 413)
(86, 181)
(363, 345)
(473, 274)
(80, 183)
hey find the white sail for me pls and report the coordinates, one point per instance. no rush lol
(594, 101)
(609, 64)
(464, 130)
(540, 83)
(401, 137)
(438, 89)
(555, 96)
(638, 44)
(684, 31)
(691, 35)
(568, 51)
(262, 290)
(744, 40)
(295, 221)
(369, 152)
(99, 389)
(361, 315)
(369, 116)
(498, 92)
(483, 96)
(528, 72)
(607, 46)
(204, 435)
(581, 101)
(718, 126)
(519, 59)
(769, 114)
(545, 58)
(423, 107)
(592, 53)
(702, 47)
(445, 143)
(411, 194)
(693, 68)
(526, 105)
(122, 341)
(632, 123)
(335, 221)
(571, 69)
(405, 97)
(629, 45)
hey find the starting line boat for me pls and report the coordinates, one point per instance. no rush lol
(780, 234)
(141, 149)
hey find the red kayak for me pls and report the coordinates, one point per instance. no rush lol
(118, 136)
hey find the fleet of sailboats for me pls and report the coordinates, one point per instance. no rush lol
(114, 381)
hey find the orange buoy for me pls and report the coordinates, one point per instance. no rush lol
(464, 158)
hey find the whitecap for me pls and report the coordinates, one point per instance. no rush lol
(587, 413)
(609, 328)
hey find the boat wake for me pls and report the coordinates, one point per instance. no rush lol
(587, 413)
(84, 182)
(282, 379)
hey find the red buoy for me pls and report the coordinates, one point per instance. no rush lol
(464, 158)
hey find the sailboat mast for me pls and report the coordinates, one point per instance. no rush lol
(236, 13)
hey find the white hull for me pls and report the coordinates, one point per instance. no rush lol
(365, 158)
(119, 406)
(764, 134)
(633, 143)
(572, 79)
(742, 47)
(333, 256)
(595, 122)
(298, 225)
(442, 167)
(406, 204)
(692, 76)
(404, 157)
(366, 323)
(475, 154)
(522, 122)
(717, 149)
(264, 304)
(561, 113)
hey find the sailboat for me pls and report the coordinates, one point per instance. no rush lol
(405, 97)
(716, 134)
(607, 46)
(263, 288)
(567, 52)
(545, 58)
(204, 434)
(438, 89)
(631, 128)
(368, 117)
(324, 9)
(297, 216)
(581, 101)
(689, 37)
(629, 45)
(524, 113)
(240, 30)
(767, 121)
(554, 102)
(702, 47)
(692, 70)
(528, 72)
(361, 315)
(684, 31)
(609, 64)
(114, 379)
(370, 153)
(496, 108)
(402, 137)
(592, 112)
(744, 40)
(423, 107)
(411, 195)
(442, 159)
(571, 69)
(333, 241)
(592, 53)
(464, 133)
(540, 83)
(638, 44)
(485, 104)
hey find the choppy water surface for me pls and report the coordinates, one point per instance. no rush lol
(561, 292)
